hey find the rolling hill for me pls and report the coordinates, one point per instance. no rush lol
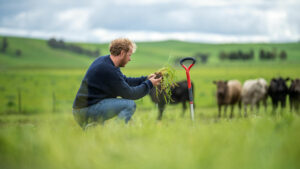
(37, 54)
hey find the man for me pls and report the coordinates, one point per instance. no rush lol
(96, 99)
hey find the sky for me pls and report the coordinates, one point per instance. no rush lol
(210, 21)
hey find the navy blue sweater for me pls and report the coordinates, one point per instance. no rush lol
(104, 80)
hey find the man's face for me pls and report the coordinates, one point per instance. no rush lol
(125, 57)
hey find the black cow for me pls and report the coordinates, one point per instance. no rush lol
(294, 95)
(179, 95)
(278, 91)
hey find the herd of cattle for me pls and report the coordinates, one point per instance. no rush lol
(232, 92)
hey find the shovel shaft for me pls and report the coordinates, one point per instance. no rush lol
(191, 99)
(191, 96)
(192, 112)
(188, 78)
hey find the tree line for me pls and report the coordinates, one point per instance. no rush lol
(60, 44)
(238, 55)
(263, 55)
(271, 55)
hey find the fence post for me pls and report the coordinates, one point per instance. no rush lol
(53, 102)
(19, 100)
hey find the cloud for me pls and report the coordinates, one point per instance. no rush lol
(103, 35)
(193, 20)
(74, 19)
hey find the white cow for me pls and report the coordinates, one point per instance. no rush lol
(253, 92)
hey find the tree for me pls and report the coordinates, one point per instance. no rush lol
(223, 55)
(283, 55)
(4, 45)
(60, 44)
(18, 52)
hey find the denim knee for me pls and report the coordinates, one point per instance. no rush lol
(132, 106)
(128, 111)
(80, 116)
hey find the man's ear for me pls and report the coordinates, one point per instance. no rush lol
(122, 53)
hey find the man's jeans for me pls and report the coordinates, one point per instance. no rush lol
(104, 110)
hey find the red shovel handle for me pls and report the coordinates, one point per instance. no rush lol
(188, 69)
(185, 59)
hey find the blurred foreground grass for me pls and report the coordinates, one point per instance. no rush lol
(54, 141)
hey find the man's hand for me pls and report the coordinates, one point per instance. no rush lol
(150, 76)
(154, 81)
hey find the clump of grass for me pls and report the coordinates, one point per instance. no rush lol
(168, 81)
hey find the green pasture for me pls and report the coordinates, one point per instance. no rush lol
(31, 91)
(37, 129)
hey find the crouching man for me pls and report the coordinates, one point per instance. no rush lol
(96, 100)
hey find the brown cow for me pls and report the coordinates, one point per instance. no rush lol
(228, 93)
(294, 94)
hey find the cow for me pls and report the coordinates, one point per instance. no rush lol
(179, 94)
(228, 93)
(294, 95)
(278, 91)
(253, 92)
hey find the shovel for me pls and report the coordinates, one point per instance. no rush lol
(187, 70)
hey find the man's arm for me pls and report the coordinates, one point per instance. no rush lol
(135, 81)
(120, 87)
(123, 89)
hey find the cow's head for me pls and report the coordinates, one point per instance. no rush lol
(221, 87)
(279, 84)
(295, 85)
(262, 85)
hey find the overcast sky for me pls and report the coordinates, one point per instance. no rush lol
(213, 21)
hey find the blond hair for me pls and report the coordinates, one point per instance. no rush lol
(117, 45)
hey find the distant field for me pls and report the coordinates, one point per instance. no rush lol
(37, 54)
(37, 129)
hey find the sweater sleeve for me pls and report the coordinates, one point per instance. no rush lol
(135, 81)
(120, 87)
